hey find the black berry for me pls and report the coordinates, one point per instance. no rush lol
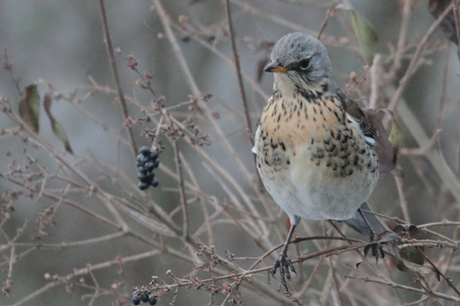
(149, 166)
(152, 300)
(154, 182)
(136, 300)
(154, 155)
(144, 150)
(144, 178)
(184, 37)
(144, 297)
(143, 186)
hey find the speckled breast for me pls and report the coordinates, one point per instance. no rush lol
(314, 161)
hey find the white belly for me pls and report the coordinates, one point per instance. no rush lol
(313, 192)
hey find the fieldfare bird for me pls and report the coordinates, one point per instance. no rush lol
(315, 148)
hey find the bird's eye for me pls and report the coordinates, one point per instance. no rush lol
(304, 64)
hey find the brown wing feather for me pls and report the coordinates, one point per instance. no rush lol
(372, 127)
(357, 113)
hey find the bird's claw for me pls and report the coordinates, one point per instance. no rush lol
(376, 247)
(284, 264)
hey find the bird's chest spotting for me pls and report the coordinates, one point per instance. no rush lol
(277, 136)
(315, 133)
(309, 152)
(314, 136)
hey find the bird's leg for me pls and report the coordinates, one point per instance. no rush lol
(283, 262)
(376, 247)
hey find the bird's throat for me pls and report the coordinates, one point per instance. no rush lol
(291, 87)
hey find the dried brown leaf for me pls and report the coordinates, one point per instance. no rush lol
(56, 126)
(29, 107)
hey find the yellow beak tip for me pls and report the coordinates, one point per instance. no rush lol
(275, 68)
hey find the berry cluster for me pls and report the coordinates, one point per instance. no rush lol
(146, 162)
(144, 297)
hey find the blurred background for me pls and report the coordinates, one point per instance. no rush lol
(75, 228)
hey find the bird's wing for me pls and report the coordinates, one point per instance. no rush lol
(356, 113)
(374, 133)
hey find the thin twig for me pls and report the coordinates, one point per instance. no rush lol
(457, 24)
(201, 200)
(447, 279)
(442, 100)
(121, 97)
(442, 223)
(421, 281)
(402, 198)
(9, 67)
(336, 283)
(73, 244)
(309, 3)
(183, 197)
(406, 13)
(404, 287)
(236, 61)
(376, 70)
(329, 14)
(272, 17)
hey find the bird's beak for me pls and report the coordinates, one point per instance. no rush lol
(275, 67)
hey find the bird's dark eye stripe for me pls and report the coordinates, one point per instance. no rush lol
(304, 64)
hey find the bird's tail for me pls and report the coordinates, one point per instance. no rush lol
(366, 223)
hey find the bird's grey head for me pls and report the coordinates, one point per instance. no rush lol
(300, 61)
